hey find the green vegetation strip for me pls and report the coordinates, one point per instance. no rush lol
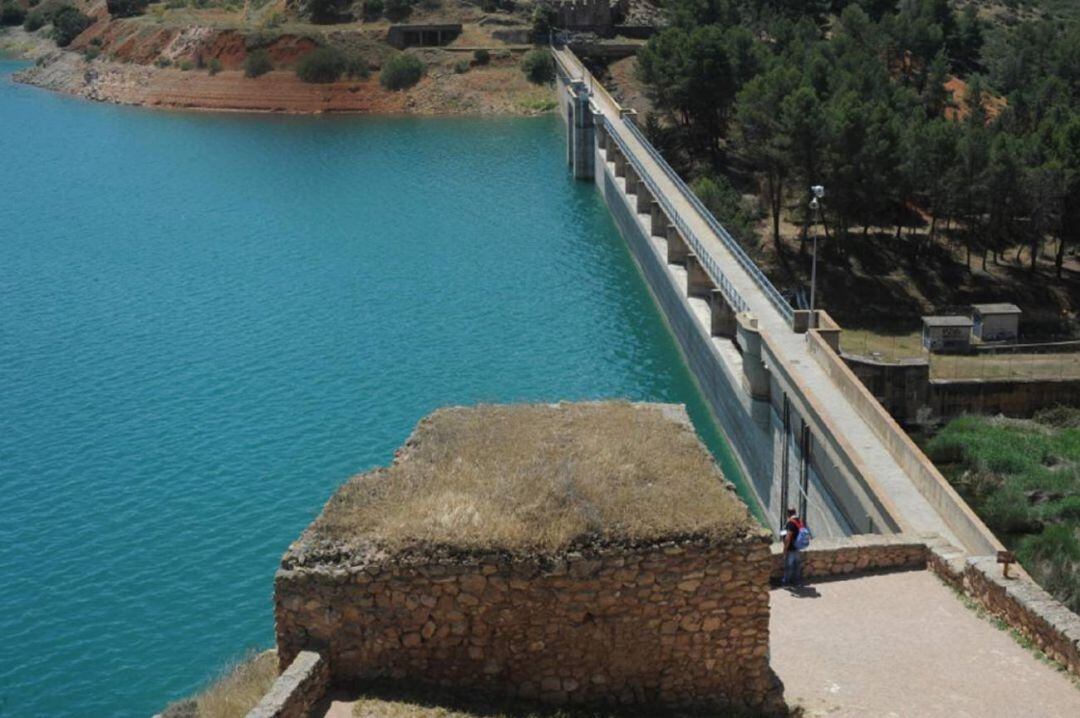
(1023, 479)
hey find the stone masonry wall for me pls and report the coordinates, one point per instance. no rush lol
(1018, 601)
(297, 690)
(856, 554)
(673, 624)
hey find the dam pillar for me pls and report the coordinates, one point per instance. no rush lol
(620, 162)
(601, 131)
(677, 248)
(644, 199)
(658, 223)
(723, 316)
(755, 377)
(582, 136)
(698, 281)
(631, 180)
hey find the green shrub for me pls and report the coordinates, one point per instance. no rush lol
(162, 62)
(326, 64)
(214, 66)
(186, 65)
(68, 23)
(461, 67)
(401, 72)
(356, 66)
(11, 13)
(126, 8)
(91, 53)
(1062, 417)
(326, 11)
(482, 57)
(543, 20)
(727, 205)
(36, 19)
(489, 5)
(397, 9)
(257, 63)
(373, 9)
(538, 67)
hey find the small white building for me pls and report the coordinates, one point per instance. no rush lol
(946, 334)
(996, 322)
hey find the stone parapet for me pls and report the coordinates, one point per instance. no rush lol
(857, 554)
(296, 691)
(1018, 601)
(677, 623)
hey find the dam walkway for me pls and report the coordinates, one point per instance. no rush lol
(916, 498)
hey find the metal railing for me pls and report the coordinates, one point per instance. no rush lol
(712, 267)
(744, 260)
(781, 304)
(706, 259)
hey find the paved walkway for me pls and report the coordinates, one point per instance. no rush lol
(904, 645)
(840, 417)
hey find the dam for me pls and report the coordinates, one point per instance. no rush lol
(805, 430)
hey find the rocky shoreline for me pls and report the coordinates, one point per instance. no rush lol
(495, 89)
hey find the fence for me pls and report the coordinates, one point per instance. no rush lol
(706, 259)
(744, 260)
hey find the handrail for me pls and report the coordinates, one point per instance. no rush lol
(706, 259)
(781, 304)
(744, 260)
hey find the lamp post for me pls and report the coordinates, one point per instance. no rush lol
(817, 193)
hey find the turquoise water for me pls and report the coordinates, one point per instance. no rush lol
(207, 322)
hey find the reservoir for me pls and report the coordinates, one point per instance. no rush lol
(209, 321)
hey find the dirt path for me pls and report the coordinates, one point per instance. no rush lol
(904, 645)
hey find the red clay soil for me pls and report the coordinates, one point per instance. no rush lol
(278, 91)
(499, 89)
(959, 110)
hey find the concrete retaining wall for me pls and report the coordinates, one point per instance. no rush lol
(678, 624)
(297, 690)
(909, 395)
(1020, 398)
(931, 484)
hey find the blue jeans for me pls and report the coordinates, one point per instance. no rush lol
(792, 568)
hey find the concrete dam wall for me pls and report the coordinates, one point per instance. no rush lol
(804, 429)
(783, 467)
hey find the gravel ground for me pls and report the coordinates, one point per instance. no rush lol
(903, 645)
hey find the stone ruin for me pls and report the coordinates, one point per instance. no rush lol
(587, 554)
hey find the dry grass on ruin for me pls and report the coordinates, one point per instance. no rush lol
(540, 477)
(235, 692)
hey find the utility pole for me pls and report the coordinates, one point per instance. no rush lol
(817, 193)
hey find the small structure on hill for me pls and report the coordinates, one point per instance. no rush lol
(572, 553)
(946, 334)
(403, 36)
(996, 322)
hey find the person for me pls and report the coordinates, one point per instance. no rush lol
(792, 558)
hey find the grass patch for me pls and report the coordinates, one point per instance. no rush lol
(544, 104)
(1023, 479)
(237, 690)
(540, 477)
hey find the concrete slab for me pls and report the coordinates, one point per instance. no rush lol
(904, 645)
